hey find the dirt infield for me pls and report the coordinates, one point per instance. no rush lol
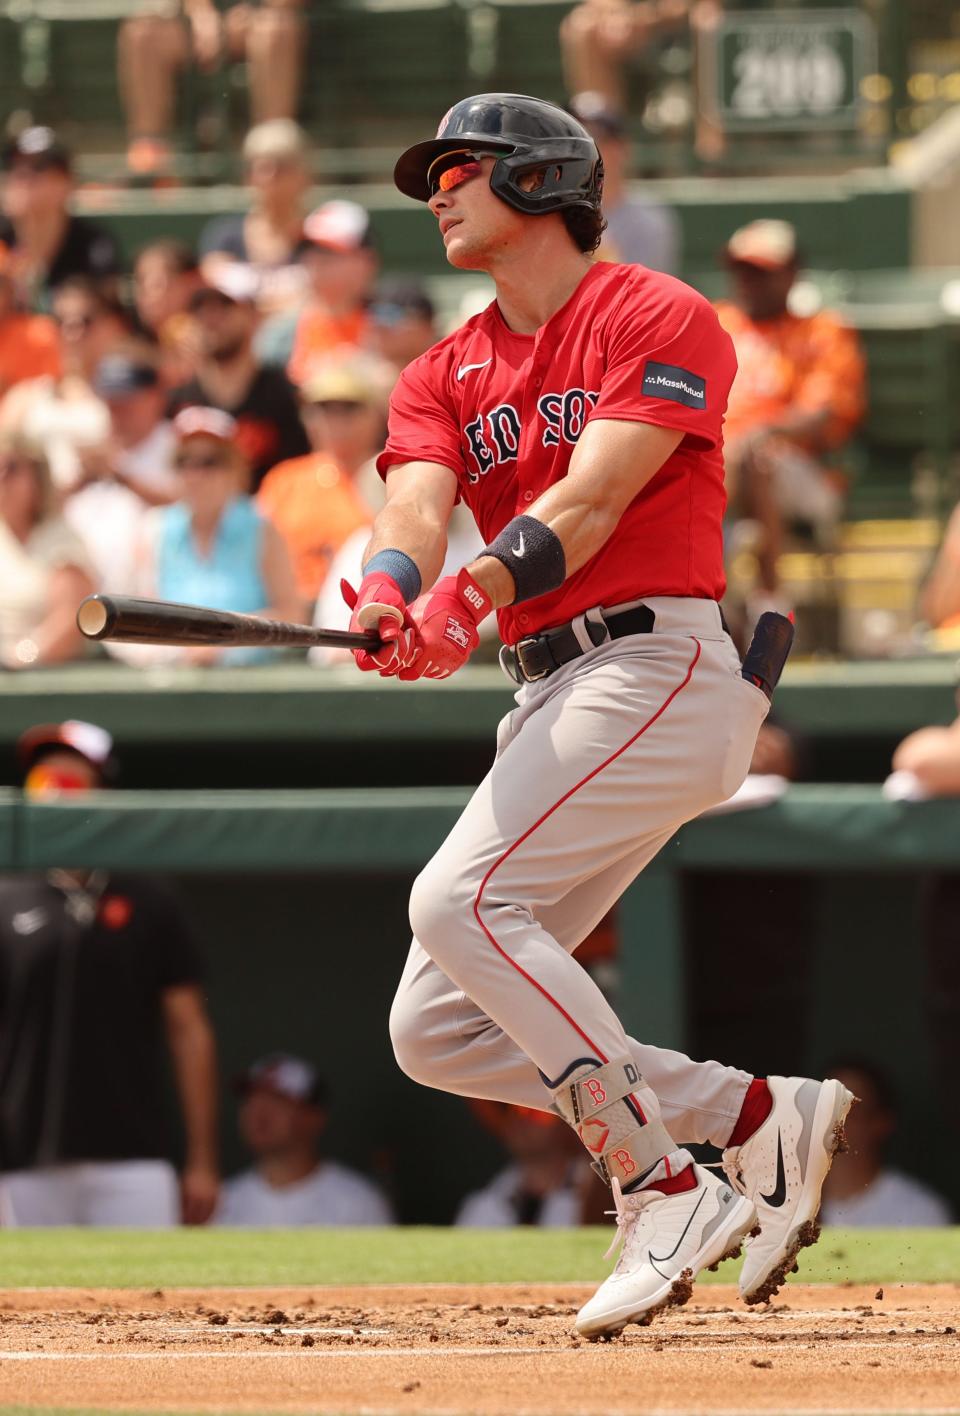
(488, 1350)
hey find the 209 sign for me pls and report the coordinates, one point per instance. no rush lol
(783, 70)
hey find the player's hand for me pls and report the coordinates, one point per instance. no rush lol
(446, 621)
(199, 1192)
(379, 605)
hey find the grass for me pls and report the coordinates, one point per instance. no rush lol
(196, 1258)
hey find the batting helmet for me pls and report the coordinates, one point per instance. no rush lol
(524, 133)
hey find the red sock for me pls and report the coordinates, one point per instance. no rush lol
(756, 1107)
(686, 1180)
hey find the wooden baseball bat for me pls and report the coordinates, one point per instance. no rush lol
(120, 617)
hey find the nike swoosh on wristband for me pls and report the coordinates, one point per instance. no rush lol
(466, 368)
(519, 550)
(779, 1194)
(662, 1258)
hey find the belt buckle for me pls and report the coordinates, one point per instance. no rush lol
(528, 678)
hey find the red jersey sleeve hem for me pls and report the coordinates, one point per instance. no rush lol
(698, 438)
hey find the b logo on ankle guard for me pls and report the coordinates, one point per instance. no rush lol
(624, 1159)
(597, 1094)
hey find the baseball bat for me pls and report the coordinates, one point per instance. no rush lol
(120, 617)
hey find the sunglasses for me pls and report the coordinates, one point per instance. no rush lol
(337, 405)
(184, 462)
(459, 172)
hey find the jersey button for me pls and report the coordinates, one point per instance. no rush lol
(523, 620)
(528, 496)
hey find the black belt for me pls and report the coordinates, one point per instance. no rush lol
(541, 655)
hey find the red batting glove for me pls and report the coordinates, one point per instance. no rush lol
(446, 620)
(379, 605)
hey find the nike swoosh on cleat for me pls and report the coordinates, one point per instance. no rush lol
(779, 1193)
(663, 1258)
(466, 368)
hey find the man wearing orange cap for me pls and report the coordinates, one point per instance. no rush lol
(94, 968)
(797, 397)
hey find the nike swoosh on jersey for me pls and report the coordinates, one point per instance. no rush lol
(779, 1193)
(519, 551)
(466, 368)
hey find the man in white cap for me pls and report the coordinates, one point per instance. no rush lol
(798, 395)
(283, 1114)
(95, 969)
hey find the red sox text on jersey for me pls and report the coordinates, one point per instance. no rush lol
(504, 412)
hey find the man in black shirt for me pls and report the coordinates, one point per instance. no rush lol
(49, 244)
(96, 970)
(261, 400)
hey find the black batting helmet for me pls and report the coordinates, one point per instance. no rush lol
(525, 133)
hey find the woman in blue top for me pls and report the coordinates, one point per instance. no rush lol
(212, 547)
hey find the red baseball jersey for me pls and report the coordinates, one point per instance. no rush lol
(504, 412)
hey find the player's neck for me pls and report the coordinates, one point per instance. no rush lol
(531, 288)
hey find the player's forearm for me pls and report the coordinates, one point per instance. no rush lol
(581, 526)
(412, 530)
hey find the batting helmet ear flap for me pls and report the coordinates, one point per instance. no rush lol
(568, 181)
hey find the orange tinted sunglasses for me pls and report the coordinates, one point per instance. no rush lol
(457, 174)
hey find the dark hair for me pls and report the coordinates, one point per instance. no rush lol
(178, 255)
(104, 300)
(872, 1073)
(585, 226)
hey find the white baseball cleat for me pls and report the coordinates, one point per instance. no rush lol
(667, 1240)
(781, 1169)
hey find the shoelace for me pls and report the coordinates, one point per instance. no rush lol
(625, 1214)
(730, 1165)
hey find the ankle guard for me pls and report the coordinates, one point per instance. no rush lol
(598, 1103)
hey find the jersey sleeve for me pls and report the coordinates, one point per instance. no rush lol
(422, 426)
(668, 363)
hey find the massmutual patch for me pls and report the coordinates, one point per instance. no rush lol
(678, 385)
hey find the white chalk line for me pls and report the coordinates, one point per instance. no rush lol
(433, 1350)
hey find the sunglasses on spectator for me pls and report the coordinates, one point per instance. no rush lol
(80, 323)
(337, 405)
(196, 462)
(458, 172)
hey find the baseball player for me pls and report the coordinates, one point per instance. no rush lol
(580, 418)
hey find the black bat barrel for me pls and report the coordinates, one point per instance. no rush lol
(134, 621)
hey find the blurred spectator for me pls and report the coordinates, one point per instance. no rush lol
(546, 1182)
(797, 397)
(315, 501)
(64, 415)
(44, 568)
(268, 238)
(640, 231)
(861, 1189)
(49, 244)
(97, 972)
(29, 344)
(131, 470)
(940, 600)
(165, 279)
(599, 39)
(212, 547)
(283, 1115)
(402, 322)
(154, 47)
(228, 375)
(341, 265)
(926, 764)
